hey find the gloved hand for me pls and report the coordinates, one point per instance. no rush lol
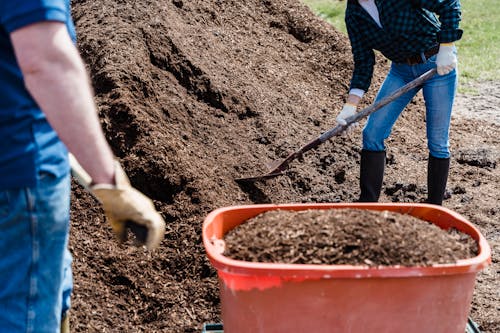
(446, 59)
(347, 111)
(126, 208)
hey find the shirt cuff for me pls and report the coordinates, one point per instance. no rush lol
(449, 36)
(357, 92)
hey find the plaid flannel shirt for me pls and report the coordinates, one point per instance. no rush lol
(409, 27)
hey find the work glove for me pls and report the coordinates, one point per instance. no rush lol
(446, 59)
(125, 207)
(348, 110)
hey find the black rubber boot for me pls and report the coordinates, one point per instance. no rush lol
(437, 176)
(371, 175)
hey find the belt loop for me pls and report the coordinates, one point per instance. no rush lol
(424, 59)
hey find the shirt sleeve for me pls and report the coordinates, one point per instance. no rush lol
(449, 12)
(364, 58)
(17, 14)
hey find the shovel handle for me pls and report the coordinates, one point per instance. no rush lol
(77, 171)
(313, 144)
(375, 106)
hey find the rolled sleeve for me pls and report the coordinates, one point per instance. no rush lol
(14, 15)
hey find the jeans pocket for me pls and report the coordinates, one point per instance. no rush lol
(4, 204)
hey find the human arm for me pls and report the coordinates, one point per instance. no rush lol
(55, 76)
(364, 61)
(449, 13)
(363, 56)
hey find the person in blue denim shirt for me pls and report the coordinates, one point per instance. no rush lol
(46, 109)
(416, 35)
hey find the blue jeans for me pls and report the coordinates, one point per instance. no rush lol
(35, 263)
(439, 93)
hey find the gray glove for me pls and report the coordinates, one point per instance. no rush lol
(446, 59)
(348, 110)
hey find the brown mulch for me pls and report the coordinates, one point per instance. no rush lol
(346, 237)
(193, 94)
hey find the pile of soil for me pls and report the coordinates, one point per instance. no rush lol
(346, 237)
(193, 94)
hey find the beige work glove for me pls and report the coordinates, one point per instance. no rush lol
(446, 59)
(125, 207)
(128, 209)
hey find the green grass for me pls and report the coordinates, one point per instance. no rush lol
(479, 48)
(330, 10)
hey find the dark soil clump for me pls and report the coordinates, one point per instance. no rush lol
(346, 237)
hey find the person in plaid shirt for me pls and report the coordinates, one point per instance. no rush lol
(416, 35)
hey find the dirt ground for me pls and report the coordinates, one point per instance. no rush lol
(193, 94)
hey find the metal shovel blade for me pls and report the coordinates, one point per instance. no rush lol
(259, 177)
(276, 168)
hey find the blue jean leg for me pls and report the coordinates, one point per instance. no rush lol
(439, 94)
(35, 265)
(379, 124)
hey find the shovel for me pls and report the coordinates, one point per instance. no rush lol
(277, 168)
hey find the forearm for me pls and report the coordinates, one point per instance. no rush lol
(56, 78)
(363, 57)
(62, 91)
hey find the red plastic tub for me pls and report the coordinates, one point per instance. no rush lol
(281, 298)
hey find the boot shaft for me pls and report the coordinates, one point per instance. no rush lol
(371, 175)
(437, 177)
